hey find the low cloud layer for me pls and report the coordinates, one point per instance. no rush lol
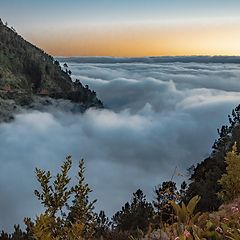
(159, 116)
(152, 60)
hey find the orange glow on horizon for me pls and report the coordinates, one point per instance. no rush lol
(137, 41)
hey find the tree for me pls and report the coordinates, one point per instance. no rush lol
(103, 226)
(135, 215)
(82, 208)
(62, 220)
(164, 195)
(230, 181)
(18, 234)
(56, 62)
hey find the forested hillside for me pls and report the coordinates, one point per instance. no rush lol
(205, 177)
(26, 69)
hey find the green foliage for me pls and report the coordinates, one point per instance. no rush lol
(164, 195)
(230, 181)
(186, 219)
(221, 225)
(102, 226)
(54, 197)
(62, 220)
(185, 214)
(46, 227)
(82, 209)
(17, 235)
(136, 215)
(185, 226)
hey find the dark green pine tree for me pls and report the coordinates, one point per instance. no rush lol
(103, 226)
(136, 215)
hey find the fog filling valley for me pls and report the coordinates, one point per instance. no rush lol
(158, 116)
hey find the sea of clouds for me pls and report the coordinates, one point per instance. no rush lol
(159, 115)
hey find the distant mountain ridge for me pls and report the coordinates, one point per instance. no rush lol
(27, 71)
(152, 60)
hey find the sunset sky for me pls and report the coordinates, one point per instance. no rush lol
(127, 27)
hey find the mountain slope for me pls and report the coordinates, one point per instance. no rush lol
(27, 71)
(205, 177)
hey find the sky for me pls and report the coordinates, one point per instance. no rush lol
(127, 27)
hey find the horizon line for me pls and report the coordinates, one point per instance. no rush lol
(144, 56)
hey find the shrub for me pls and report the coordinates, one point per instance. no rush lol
(62, 220)
(230, 181)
